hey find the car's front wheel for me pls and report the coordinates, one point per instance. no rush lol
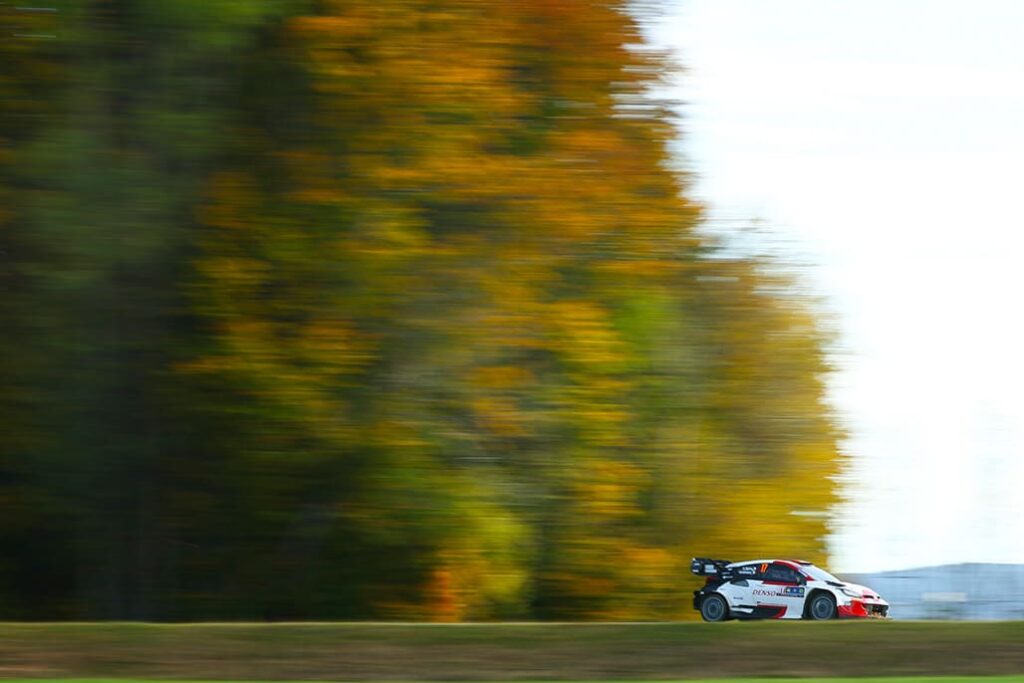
(822, 607)
(713, 608)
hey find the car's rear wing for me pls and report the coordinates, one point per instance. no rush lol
(705, 566)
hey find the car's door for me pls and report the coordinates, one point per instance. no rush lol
(782, 586)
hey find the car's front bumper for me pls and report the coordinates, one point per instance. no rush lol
(864, 608)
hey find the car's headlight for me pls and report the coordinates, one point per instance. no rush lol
(851, 593)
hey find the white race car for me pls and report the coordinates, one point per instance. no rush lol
(778, 589)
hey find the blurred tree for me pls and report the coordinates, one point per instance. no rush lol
(31, 81)
(349, 309)
(459, 262)
(113, 125)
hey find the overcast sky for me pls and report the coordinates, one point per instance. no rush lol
(882, 141)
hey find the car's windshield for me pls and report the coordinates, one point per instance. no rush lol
(819, 573)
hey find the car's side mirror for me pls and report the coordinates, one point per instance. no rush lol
(739, 582)
(802, 581)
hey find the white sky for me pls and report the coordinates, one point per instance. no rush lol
(883, 140)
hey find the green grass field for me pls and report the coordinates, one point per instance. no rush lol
(503, 652)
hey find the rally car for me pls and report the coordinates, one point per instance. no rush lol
(778, 589)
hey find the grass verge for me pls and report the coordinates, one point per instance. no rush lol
(497, 652)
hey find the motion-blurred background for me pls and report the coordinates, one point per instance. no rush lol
(377, 309)
(350, 309)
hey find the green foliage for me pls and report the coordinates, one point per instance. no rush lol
(360, 309)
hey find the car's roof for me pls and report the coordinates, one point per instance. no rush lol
(792, 563)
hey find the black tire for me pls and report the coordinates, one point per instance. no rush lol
(714, 608)
(821, 607)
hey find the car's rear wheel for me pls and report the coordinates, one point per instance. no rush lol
(822, 607)
(713, 608)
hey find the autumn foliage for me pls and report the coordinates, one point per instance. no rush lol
(358, 309)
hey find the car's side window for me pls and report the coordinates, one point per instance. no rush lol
(782, 574)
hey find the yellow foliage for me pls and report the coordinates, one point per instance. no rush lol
(474, 272)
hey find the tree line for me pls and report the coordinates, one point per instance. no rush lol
(347, 309)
